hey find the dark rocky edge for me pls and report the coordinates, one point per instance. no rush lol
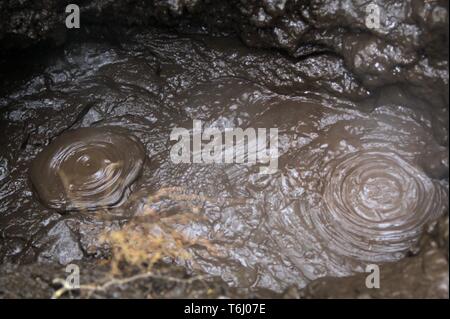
(408, 46)
(29, 281)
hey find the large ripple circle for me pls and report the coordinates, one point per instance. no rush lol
(376, 204)
(87, 168)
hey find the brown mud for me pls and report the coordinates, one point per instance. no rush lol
(362, 175)
(87, 168)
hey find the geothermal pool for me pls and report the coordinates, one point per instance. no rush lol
(357, 177)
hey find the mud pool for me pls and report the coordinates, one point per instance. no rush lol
(359, 177)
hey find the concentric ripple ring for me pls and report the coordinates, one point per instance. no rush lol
(87, 168)
(376, 205)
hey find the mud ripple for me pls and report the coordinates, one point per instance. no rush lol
(375, 205)
(87, 168)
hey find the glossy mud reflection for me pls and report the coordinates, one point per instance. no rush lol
(375, 204)
(87, 168)
(351, 186)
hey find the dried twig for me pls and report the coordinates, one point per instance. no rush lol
(67, 287)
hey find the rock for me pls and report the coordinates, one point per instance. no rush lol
(59, 245)
(409, 33)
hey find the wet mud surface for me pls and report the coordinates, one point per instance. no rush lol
(86, 169)
(360, 174)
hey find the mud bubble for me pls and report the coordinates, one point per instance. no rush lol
(87, 168)
(377, 204)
